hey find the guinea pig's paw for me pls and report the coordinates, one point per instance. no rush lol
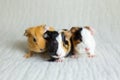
(91, 55)
(75, 56)
(59, 60)
(28, 55)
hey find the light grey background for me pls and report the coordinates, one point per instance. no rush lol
(17, 15)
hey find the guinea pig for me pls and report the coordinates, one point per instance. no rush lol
(58, 44)
(36, 42)
(83, 35)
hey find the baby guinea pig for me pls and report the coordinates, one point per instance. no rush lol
(58, 44)
(83, 35)
(36, 42)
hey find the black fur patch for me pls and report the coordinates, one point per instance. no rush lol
(77, 35)
(52, 44)
(65, 42)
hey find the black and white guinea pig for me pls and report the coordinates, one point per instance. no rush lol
(83, 35)
(58, 44)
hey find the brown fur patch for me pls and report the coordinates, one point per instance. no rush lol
(36, 33)
(51, 28)
(90, 29)
(87, 27)
(67, 47)
(74, 42)
(73, 29)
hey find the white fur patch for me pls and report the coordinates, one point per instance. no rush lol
(88, 40)
(60, 50)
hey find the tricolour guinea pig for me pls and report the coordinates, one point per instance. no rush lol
(83, 35)
(36, 42)
(58, 44)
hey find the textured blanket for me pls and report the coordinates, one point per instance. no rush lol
(17, 15)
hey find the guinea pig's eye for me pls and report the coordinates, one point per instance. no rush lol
(66, 42)
(34, 39)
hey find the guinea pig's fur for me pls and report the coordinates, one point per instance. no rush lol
(83, 35)
(58, 44)
(36, 42)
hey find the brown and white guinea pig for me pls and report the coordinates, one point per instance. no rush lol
(58, 44)
(83, 35)
(36, 42)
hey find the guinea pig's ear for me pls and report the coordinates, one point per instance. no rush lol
(73, 29)
(27, 33)
(68, 34)
(45, 35)
(90, 29)
(56, 33)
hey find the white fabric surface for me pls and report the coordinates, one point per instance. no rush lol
(17, 15)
